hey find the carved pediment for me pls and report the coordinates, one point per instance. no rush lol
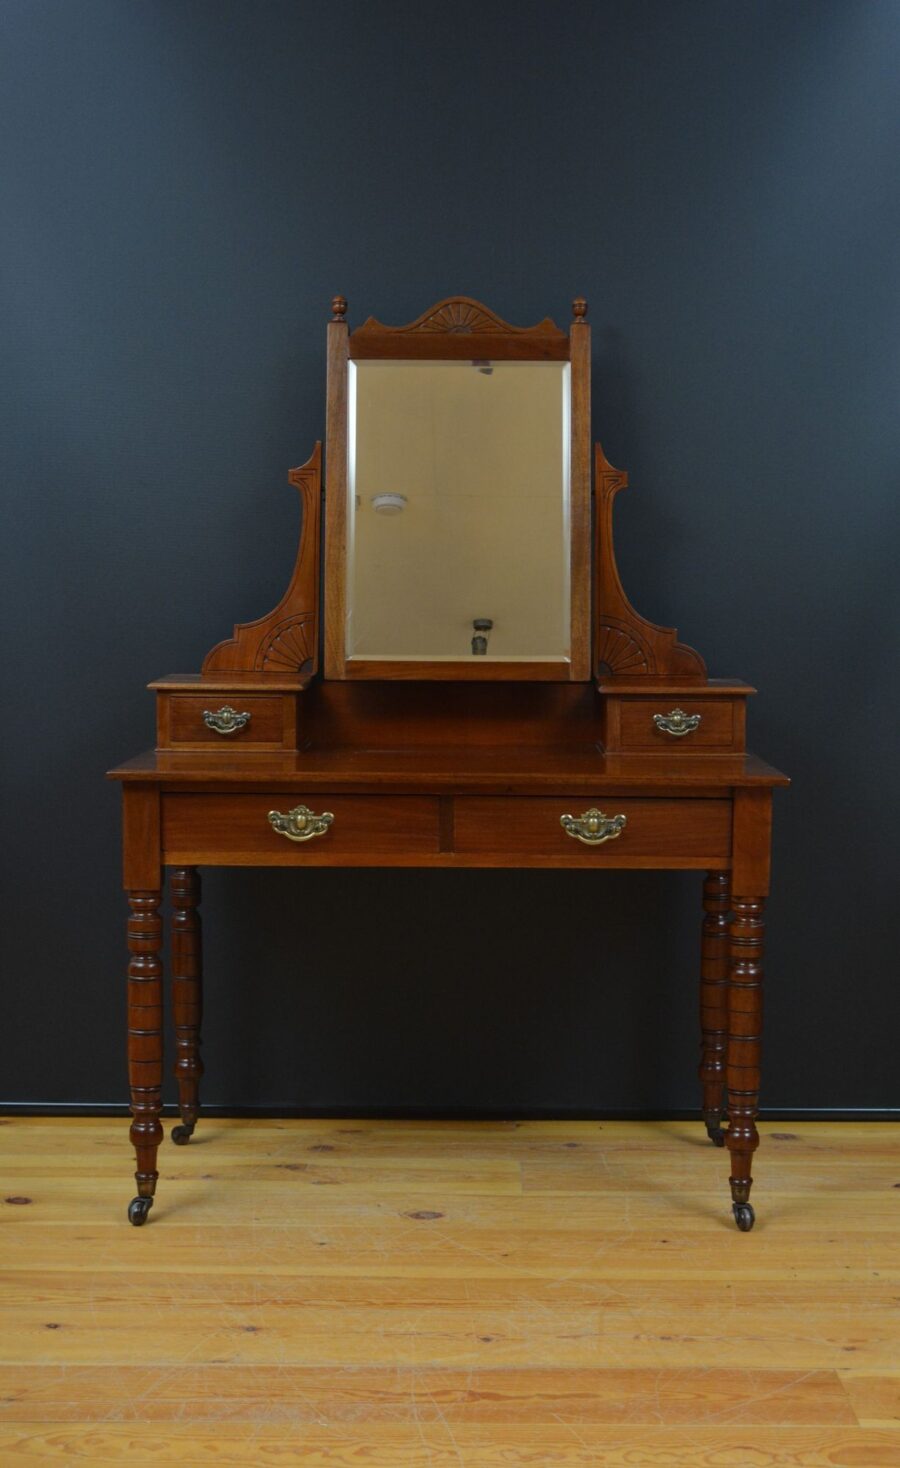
(447, 327)
(462, 316)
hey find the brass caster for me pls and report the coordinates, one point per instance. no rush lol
(744, 1216)
(138, 1209)
(712, 1120)
(181, 1134)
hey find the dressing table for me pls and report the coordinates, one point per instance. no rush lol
(467, 686)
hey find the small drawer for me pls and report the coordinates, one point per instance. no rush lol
(530, 831)
(236, 830)
(224, 720)
(674, 724)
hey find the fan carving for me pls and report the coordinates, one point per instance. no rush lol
(459, 316)
(621, 651)
(289, 647)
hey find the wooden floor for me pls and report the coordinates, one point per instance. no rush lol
(424, 1295)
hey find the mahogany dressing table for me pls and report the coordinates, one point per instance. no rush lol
(489, 698)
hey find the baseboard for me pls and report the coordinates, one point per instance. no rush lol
(409, 1113)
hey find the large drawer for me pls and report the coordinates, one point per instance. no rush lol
(235, 830)
(655, 833)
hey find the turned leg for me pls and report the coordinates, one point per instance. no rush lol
(744, 1038)
(187, 996)
(145, 1043)
(714, 1000)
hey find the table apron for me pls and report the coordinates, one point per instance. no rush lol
(233, 829)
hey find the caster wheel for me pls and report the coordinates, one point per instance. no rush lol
(138, 1209)
(744, 1216)
(712, 1120)
(181, 1134)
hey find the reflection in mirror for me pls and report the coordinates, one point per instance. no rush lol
(458, 523)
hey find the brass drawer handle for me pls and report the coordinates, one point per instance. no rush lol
(677, 723)
(225, 720)
(593, 827)
(300, 824)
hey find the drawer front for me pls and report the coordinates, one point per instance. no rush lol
(655, 833)
(271, 725)
(235, 830)
(686, 724)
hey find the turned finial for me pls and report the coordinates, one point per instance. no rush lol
(579, 308)
(338, 308)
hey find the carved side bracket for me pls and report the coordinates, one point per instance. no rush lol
(625, 643)
(286, 641)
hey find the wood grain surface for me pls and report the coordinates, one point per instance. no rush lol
(430, 1295)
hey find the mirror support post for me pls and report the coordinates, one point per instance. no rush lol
(580, 491)
(336, 489)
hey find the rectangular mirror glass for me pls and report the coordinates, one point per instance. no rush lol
(458, 511)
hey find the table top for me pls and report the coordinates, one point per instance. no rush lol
(478, 769)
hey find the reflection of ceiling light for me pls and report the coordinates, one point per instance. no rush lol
(389, 504)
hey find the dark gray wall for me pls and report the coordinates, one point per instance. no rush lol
(186, 184)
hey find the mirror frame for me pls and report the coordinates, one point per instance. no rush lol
(457, 328)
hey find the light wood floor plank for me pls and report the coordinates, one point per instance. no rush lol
(252, 1391)
(432, 1443)
(630, 1325)
(876, 1396)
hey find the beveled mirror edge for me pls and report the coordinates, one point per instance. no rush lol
(447, 330)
